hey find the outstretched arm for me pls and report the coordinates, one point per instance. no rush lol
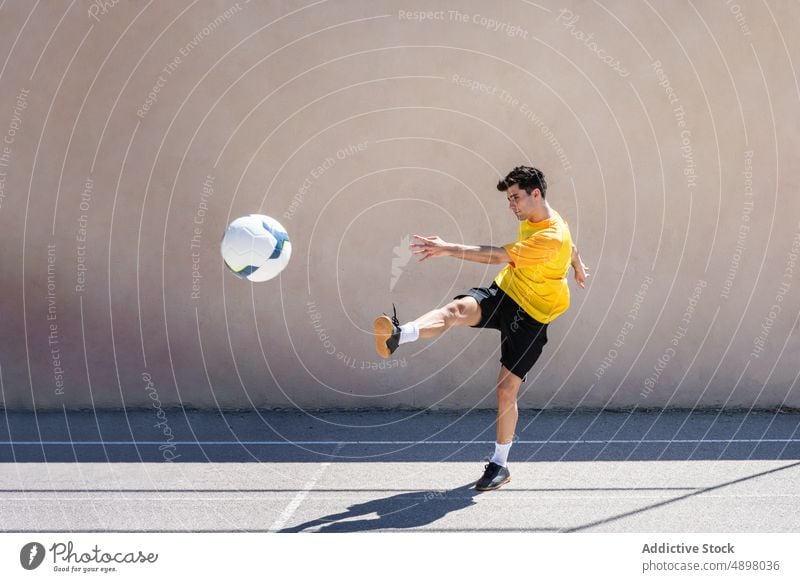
(433, 246)
(581, 270)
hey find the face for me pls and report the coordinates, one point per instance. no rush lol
(520, 202)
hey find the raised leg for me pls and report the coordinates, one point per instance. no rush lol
(459, 312)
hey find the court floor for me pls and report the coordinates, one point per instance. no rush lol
(288, 471)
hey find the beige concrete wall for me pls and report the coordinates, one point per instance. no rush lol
(668, 133)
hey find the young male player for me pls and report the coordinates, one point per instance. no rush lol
(529, 293)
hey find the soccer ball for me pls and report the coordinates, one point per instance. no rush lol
(256, 247)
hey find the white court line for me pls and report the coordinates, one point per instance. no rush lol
(509, 496)
(288, 512)
(344, 443)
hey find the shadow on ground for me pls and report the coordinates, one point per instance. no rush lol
(403, 511)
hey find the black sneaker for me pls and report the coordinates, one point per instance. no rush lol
(494, 477)
(387, 334)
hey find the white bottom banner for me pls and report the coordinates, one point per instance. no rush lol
(398, 556)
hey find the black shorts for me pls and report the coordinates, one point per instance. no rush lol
(521, 336)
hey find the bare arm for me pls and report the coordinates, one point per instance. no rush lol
(433, 246)
(480, 254)
(581, 270)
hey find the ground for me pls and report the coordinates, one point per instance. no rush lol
(646, 471)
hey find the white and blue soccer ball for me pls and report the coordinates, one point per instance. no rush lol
(256, 247)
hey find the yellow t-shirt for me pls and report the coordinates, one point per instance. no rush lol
(536, 276)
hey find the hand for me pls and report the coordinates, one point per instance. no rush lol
(429, 246)
(581, 273)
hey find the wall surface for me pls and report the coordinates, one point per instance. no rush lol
(133, 132)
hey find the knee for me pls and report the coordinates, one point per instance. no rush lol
(507, 391)
(454, 311)
(450, 312)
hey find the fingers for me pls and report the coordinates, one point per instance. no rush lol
(417, 244)
(426, 244)
(426, 238)
(423, 250)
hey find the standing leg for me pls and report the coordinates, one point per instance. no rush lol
(508, 385)
(497, 474)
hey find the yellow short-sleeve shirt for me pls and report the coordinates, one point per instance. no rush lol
(536, 275)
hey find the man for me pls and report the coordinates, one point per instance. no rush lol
(529, 293)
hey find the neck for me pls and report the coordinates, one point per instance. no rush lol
(542, 212)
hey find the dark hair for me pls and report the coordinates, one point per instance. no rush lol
(526, 177)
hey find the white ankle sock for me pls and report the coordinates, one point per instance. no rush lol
(409, 333)
(500, 454)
